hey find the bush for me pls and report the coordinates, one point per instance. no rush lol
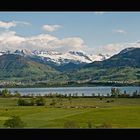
(104, 125)
(89, 123)
(70, 124)
(40, 101)
(101, 98)
(109, 101)
(22, 102)
(14, 122)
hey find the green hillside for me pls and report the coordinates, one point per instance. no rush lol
(124, 66)
(15, 67)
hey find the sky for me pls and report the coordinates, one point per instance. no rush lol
(90, 32)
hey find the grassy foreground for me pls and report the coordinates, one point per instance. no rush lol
(79, 113)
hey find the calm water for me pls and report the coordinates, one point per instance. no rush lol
(103, 90)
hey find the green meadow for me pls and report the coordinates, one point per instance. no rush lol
(75, 113)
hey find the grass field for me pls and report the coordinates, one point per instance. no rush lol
(79, 113)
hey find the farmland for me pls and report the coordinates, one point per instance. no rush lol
(75, 113)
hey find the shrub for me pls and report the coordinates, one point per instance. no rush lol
(89, 123)
(108, 101)
(101, 98)
(104, 125)
(40, 101)
(14, 122)
(22, 102)
(71, 124)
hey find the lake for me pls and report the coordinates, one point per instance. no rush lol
(103, 90)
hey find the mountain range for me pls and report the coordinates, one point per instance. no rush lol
(60, 61)
(124, 66)
(55, 67)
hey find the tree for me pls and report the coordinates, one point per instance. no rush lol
(40, 101)
(117, 92)
(22, 102)
(113, 91)
(93, 94)
(135, 94)
(108, 95)
(5, 93)
(14, 122)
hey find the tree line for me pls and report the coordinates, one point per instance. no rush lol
(114, 93)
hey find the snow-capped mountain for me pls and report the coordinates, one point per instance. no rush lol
(76, 57)
(67, 57)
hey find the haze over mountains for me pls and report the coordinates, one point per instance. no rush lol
(24, 65)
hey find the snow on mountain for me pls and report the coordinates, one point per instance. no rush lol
(71, 56)
(59, 58)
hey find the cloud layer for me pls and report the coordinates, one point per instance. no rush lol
(11, 41)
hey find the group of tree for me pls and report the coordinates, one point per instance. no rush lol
(38, 101)
(115, 92)
(7, 93)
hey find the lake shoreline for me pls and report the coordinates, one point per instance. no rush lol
(87, 91)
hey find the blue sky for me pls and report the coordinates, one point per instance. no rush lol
(95, 29)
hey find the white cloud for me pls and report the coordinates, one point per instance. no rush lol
(51, 28)
(22, 23)
(114, 48)
(7, 25)
(11, 41)
(120, 31)
(51, 43)
(67, 44)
